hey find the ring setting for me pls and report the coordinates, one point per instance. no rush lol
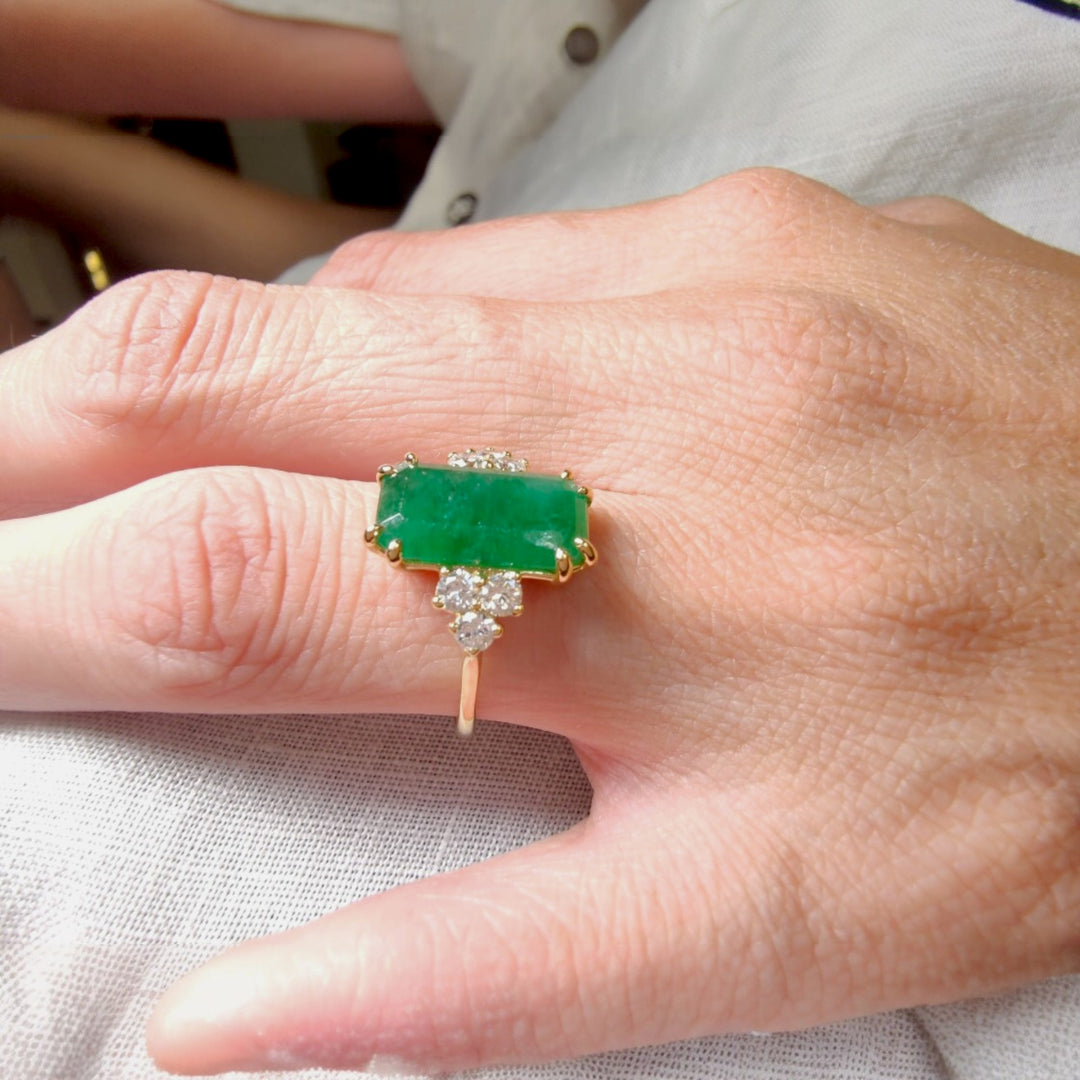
(484, 523)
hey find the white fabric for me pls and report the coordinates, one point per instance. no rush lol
(132, 848)
(500, 88)
(977, 99)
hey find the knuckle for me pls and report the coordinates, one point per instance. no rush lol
(888, 583)
(939, 210)
(408, 347)
(760, 201)
(372, 260)
(932, 610)
(200, 583)
(149, 343)
(824, 362)
(915, 605)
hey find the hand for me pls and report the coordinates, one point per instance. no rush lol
(824, 680)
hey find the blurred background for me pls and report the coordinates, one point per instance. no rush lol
(84, 203)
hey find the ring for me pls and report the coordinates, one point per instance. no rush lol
(484, 523)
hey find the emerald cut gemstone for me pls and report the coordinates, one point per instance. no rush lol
(482, 518)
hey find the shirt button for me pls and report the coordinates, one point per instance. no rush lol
(461, 209)
(582, 45)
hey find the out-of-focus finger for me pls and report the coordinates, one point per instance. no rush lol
(173, 371)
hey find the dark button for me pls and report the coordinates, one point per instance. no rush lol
(582, 45)
(461, 209)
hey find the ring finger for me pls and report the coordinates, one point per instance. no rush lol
(240, 590)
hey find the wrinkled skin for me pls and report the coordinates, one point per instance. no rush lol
(824, 680)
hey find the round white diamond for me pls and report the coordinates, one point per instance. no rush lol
(501, 593)
(459, 589)
(488, 458)
(504, 461)
(475, 632)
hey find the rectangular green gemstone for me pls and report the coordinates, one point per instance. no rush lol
(482, 518)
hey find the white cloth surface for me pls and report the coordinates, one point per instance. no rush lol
(133, 848)
(499, 83)
(976, 99)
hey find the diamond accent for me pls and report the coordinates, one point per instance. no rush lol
(501, 593)
(458, 590)
(488, 458)
(475, 631)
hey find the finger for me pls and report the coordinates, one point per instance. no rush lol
(767, 227)
(245, 590)
(949, 218)
(568, 947)
(173, 371)
(723, 230)
(573, 256)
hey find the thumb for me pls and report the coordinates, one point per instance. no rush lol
(535, 955)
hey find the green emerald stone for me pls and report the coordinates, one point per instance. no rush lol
(482, 518)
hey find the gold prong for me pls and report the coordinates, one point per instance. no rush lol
(566, 474)
(586, 491)
(519, 609)
(437, 601)
(393, 552)
(563, 565)
(384, 471)
(587, 550)
(412, 460)
(498, 630)
(371, 534)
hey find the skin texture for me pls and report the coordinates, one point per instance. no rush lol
(823, 681)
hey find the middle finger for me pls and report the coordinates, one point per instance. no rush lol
(173, 371)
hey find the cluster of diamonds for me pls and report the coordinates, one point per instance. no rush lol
(477, 597)
(488, 458)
